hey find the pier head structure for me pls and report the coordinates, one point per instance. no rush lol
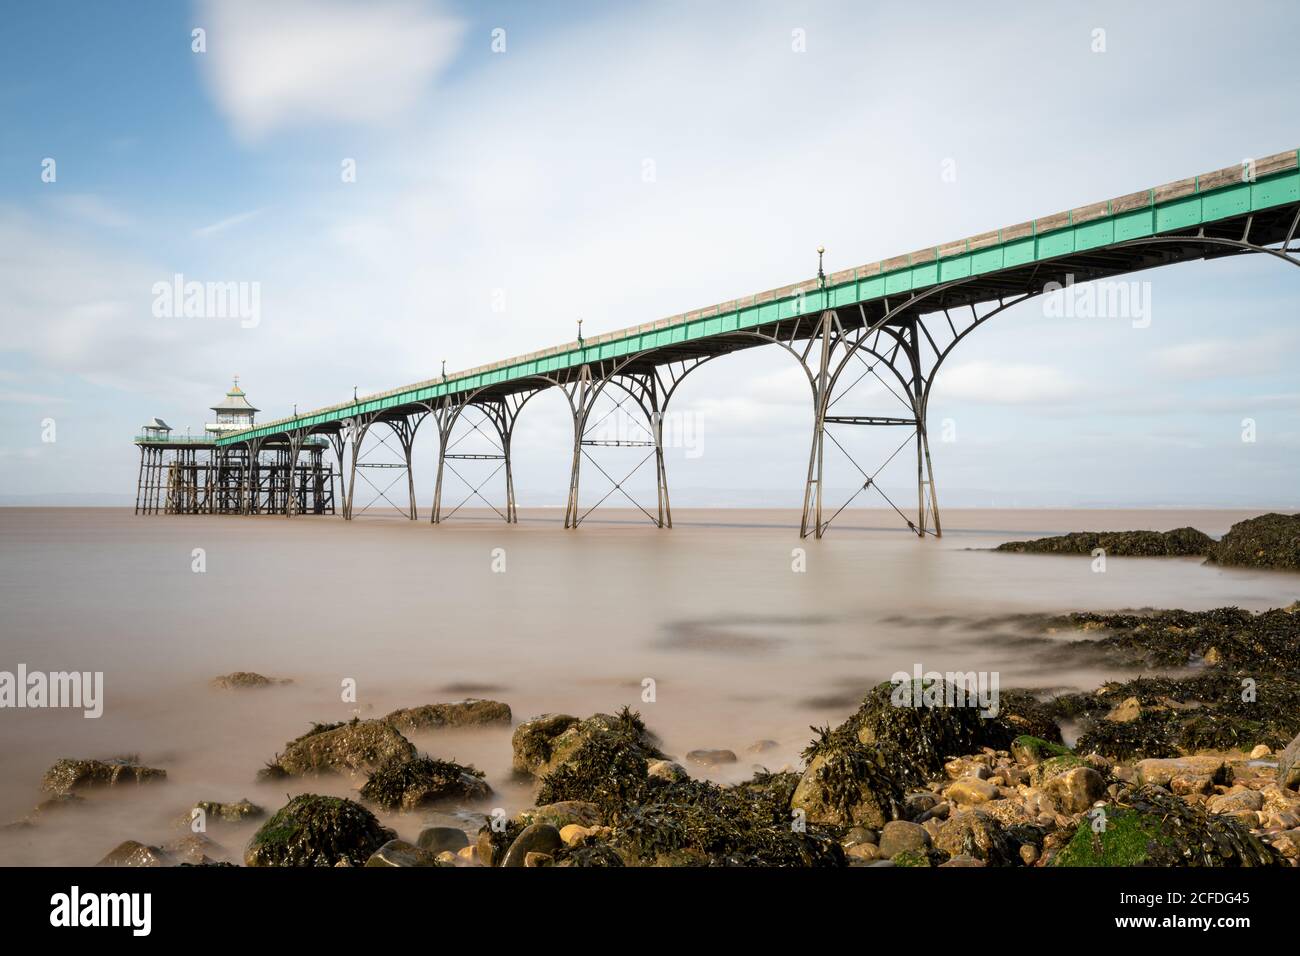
(891, 323)
(185, 474)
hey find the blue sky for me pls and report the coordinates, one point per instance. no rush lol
(517, 176)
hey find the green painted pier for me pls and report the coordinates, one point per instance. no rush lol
(896, 321)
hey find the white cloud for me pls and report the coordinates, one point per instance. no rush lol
(997, 383)
(298, 62)
(1225, 358)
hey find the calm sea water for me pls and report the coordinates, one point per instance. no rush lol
(740, 647)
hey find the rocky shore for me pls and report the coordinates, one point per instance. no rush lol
(1268, 541)
(1200, 768)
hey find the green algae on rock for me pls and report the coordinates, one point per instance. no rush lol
(313, 830)
(1151, 827)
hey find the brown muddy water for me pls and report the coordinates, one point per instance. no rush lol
(740, 647)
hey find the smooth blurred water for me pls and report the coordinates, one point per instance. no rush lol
(740, 647)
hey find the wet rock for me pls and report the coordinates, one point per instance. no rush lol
(312, 830)
(438, 839)
(711, 758)
(1288, 765)
(1129, 709)
(572, 833)
(1162, 771)
(1181, 542)
(863, 851)
(1269, 541)
(195, 850)
(667, 770)
(339, 748)
(407, 784)
(1235, 801)
(856, 835)
(68, 775)
(532, 742)
(245, 680)
(963, 860)
(970, 790)
(761, 747)
(975, 833)
(1260, 752)
(899, 835)
(535, 838)
(471, 712)
(132, 853)
(1029, 854)
(1151, 827)
(1074, 791)
(216, 812)
(534, 859)
(401, 853)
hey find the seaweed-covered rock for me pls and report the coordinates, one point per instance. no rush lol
(336, 748)
(531, 742)
(1269, 541)
(470, 712)
(313, 830)
(69, 774)
(925, 723)
(1151, 827)
(698, 823)
(406, 784)
(587, 854)
(1180, 542)
(602, 760)
(848, 783)
(543, 744)
(246, 680)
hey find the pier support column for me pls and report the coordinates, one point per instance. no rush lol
(811, 521)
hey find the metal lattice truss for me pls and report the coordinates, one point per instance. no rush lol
(897, 342)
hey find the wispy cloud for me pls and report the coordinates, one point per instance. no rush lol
(299, 62)
(222, 225)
